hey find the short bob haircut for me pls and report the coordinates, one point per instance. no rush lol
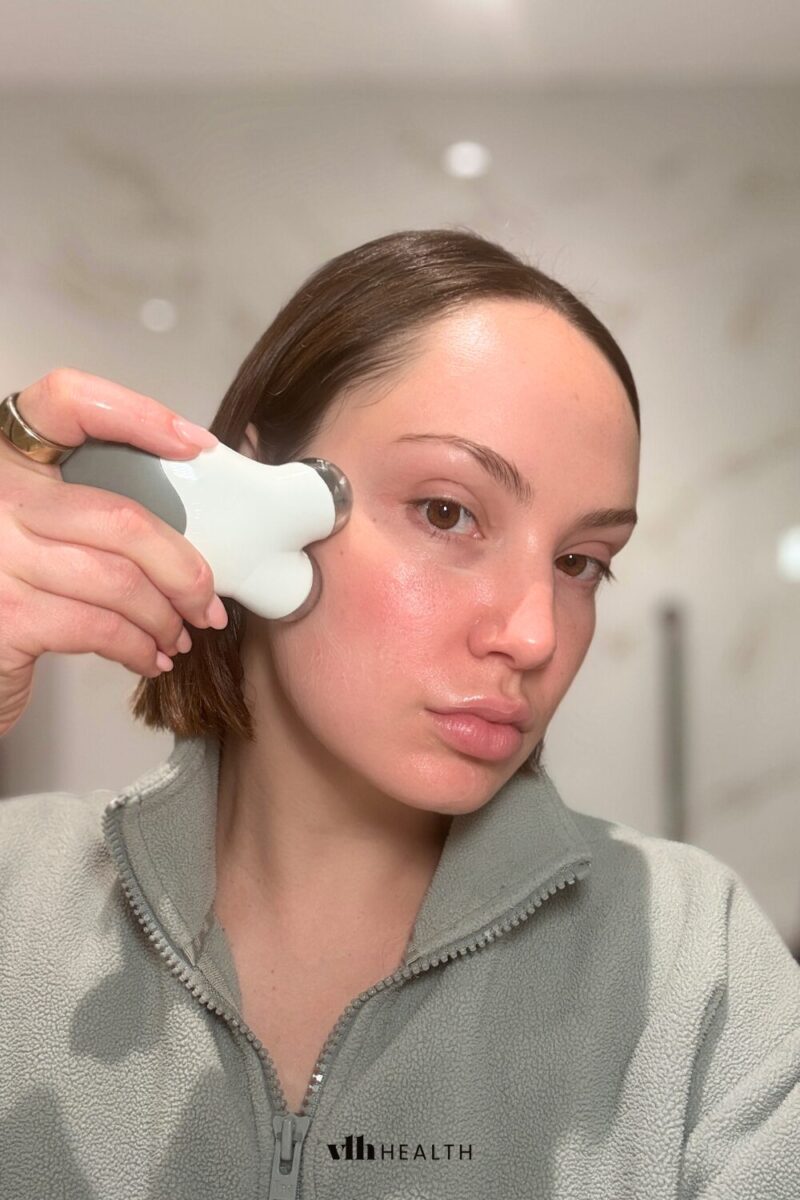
(353, 320)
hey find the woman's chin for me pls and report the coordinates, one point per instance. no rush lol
(447, 782)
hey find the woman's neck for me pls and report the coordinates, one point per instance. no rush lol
(297, 845)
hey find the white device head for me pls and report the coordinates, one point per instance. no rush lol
(249, 520)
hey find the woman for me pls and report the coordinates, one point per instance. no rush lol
(341, 944)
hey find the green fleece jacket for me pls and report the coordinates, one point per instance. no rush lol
(583, 1012)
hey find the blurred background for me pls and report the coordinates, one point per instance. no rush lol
(172, 173)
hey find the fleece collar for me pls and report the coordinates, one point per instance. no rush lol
(163, 826)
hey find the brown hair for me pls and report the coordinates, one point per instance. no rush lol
(352, 321)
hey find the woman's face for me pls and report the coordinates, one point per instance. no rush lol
(428, 605)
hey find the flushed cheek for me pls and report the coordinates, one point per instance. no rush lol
(375, 611)
(403, 607)
(366, 656)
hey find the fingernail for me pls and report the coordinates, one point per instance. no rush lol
(216, 614)
(184, 642)
(164, 662)
(194, 435)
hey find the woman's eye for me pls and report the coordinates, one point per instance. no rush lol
(599, 570)
(446, 510)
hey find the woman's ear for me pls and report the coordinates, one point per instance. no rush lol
(249, 443)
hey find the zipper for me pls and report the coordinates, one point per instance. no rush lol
(287, 1124)
(286, 1159)
(178, 966)
(510, 920)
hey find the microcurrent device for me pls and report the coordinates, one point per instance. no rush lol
(249, 520)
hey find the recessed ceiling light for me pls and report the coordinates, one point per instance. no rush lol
(159, 316)
(466, 160)
(788, 554)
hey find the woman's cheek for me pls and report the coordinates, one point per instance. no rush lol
(371, 578)
(575, 622)
(385, 602)
(401, 604)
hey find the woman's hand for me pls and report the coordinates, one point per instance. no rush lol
(84, 570)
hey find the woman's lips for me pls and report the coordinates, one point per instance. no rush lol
(476, 736)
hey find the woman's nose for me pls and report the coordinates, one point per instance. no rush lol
(525, 630)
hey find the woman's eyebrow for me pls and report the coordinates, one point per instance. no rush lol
(507, 475)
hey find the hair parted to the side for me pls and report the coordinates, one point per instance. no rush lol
(354, 320)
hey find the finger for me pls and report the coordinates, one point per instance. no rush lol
(64, 626)
(103, 520)
(67, 406)
(99, 578)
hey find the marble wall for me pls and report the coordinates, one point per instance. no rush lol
(674, 214)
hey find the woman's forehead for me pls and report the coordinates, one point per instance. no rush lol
(508, 358)
(510, 374)
(572, 450)
(508, 336)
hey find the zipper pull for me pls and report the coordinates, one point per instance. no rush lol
(286, 1160)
